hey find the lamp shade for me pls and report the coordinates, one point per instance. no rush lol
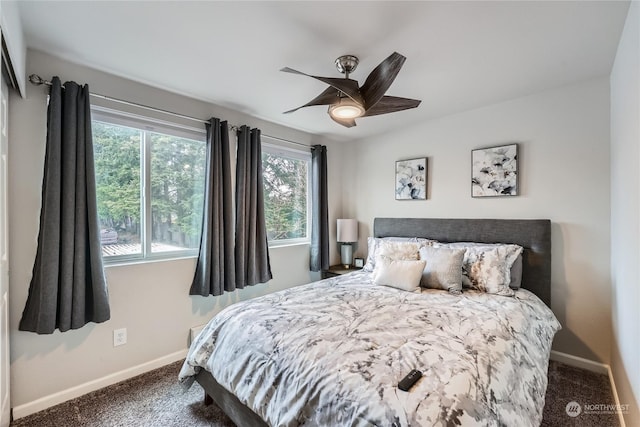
(347, 230)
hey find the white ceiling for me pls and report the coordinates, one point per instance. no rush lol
(460, 55)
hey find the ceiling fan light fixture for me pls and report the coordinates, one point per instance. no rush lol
(347, 99)
(346, 108)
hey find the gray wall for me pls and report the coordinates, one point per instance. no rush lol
(151, 299)
(563, 138)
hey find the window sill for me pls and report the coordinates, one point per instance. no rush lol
(288, 244)
(122, 263)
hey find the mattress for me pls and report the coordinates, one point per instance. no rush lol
(332, 353)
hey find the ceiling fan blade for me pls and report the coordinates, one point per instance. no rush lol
(380, 79)
(391, 104)
(348, 123)
(328, 97)
(347, 86)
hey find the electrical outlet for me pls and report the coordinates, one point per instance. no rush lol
(119, 337)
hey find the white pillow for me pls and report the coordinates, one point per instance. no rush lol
(443, 269)
(401, 274)
(374, 243)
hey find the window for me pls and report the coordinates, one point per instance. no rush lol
(287, 204)
(149, 185)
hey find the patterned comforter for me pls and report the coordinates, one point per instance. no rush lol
(331, 353)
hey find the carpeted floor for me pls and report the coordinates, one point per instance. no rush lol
(149, 400)
(568, 384)
(155, 399)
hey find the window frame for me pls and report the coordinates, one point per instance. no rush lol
(296, 154)
(146, 125)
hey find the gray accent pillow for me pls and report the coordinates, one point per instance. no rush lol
(443, 269)
(516, 273)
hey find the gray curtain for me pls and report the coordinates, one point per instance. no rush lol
(319, 210)
(68, 288)
(252, 250)
(215, 270)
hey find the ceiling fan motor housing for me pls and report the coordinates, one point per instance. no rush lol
(347, 64)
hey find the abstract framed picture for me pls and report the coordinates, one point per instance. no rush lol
(494, 171)
(411, 179)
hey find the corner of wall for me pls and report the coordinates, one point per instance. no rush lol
(625, 216)
(630, 408)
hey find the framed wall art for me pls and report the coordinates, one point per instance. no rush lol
(494, 171)
(411, 179)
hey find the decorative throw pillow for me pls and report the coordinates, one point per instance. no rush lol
(400, 274)
(374, 243)
(398, 250)
(443, 269)
(487, 267)
(516, 273)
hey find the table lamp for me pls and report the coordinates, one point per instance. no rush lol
(347, 234)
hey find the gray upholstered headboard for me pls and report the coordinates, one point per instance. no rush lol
(534, 235)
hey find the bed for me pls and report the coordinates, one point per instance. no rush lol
(332, 352)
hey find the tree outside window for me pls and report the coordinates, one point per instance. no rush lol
(150, 189)
(286, 198)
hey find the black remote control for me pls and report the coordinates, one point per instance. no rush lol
(408, 381)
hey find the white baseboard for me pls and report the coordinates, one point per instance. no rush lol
(579, 362)
(82, 389)
(616, 399)
(590, 365)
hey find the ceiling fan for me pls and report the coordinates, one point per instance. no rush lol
(348, 101)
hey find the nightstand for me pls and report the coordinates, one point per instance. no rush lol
(337, 270)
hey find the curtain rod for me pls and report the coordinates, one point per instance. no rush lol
(38, 81)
